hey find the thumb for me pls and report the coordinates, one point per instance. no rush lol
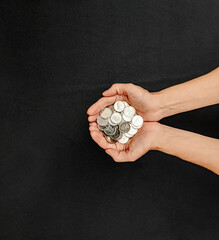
(113, 153)
(118, 88)
(117, 156)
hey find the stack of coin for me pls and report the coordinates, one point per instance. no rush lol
(119, 122)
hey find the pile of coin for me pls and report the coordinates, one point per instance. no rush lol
(119, 122)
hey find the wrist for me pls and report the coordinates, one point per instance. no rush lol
(155, 139)
(167, 104)
(161, 137)
(158, 107)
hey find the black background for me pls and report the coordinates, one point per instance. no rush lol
(56, 58)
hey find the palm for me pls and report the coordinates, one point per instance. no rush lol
(133, 149)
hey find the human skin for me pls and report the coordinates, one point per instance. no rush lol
(200, 92)
(197, 93)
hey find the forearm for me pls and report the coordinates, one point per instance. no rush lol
(192, 147)
(199, 92)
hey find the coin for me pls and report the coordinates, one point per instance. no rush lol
(111, 108)
(116, 118)
(137, 121)
(125, 103)
(110, 130)
(101, 121)
(118, 135)
(124, 127)
(101, 127)
(128, 135)
(111, 123)
(132, 131)
(129, 112)
(109, 139)
(119, 106)
(106, 113)
(123, 139)
(126, 119)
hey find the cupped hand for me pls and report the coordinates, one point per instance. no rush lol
(144, 102)
(138, 145)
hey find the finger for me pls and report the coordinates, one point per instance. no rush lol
(93, 128)
(93, 118)
(101, 141)
(100, 104)
(120, 146)
(119, 156)
(118, 88)
(93, 124)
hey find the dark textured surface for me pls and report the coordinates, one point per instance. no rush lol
(56, 59)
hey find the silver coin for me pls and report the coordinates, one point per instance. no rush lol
(101, 127)
(123, 139)
(118, 135)
(124, 127)
(109, 130)
(125, 103)
(129, 112)
(111, 108)
(122, 121)
(126, 119)
(111, 123)
(106, 113)
(101, 121)
(128, 135)
(119, 106)
(109, 139)
(137, 121)
(132, 131)
(116, 118)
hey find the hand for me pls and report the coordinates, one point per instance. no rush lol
(138, 145)
(145, 103)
